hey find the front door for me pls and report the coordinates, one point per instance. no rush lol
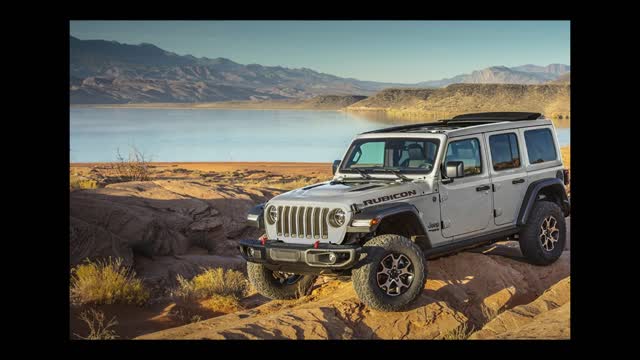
(507, 174)
(466, 203)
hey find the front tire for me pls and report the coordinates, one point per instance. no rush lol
(277, 285)
(543, 238)
(393, 273)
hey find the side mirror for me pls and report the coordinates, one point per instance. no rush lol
(335, 165)
(454, 169)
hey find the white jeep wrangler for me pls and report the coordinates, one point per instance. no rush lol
(404, 194)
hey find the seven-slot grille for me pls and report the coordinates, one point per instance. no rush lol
(302, 222)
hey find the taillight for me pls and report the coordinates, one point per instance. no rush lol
(565, 173)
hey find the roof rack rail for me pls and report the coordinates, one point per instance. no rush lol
(498, 116)
(464, 120)
(437, 123)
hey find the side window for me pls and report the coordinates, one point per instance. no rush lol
(540, 146)
(504, 151)
(467, 151)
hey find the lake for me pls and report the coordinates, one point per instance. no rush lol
(221, 135)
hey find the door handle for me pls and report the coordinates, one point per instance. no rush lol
(483, 188)
(517, 181)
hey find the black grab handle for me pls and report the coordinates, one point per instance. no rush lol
(483, 188)
(517, 181)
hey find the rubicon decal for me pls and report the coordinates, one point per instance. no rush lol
(390, 197)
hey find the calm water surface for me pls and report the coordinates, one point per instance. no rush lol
(220, 135)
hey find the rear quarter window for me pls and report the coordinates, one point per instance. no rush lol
(541, 146)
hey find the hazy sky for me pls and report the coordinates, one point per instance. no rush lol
(389, 51)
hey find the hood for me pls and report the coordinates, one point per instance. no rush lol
(362, 194)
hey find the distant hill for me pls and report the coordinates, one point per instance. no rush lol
(394, 98)
(331, 102)
(562, 79)
(525, 74)
(108, 72)
(549, 99)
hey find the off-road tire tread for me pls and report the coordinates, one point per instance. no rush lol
(530, 245)
(260, 278)
(365, 285)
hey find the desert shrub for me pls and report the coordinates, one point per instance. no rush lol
(222, 304)
(134, 167)
(77, 182)
(459, 333)
(212, 282)
(98, 330)
(106, 282)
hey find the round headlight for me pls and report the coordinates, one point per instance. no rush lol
(272, 215)
(337, 217)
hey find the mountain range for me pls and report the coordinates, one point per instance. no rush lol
(109, 72)
(524, 74)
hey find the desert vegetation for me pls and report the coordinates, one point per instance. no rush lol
(78, 182)
(213, 290)
(133, 167)
(461, 332)
(98, 329)
(212, 282)
(106, 282)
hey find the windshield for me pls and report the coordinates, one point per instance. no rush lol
(414, 156)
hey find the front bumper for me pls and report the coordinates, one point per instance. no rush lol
(300, 258)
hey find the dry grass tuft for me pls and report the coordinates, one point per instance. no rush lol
(106, 282)
(222, 304)
(135, 167)
(459, 333)
(78, 182)
(98, 330)
(229, 283)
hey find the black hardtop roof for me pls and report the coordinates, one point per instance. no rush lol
(503, 116)
(461, 121)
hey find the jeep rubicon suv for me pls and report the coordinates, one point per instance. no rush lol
(404, 194)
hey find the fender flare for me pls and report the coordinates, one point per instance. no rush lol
(255, 217)
(380, 212)
(532, 194)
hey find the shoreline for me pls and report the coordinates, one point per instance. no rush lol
(399, 115)
(206, 106)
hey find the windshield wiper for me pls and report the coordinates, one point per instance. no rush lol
(397, 173)
(362, 172)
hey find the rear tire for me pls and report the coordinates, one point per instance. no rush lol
(392, 275)
(277, 285)
(543, 238)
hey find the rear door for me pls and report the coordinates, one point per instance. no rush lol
(508, 175)
(466, 202)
